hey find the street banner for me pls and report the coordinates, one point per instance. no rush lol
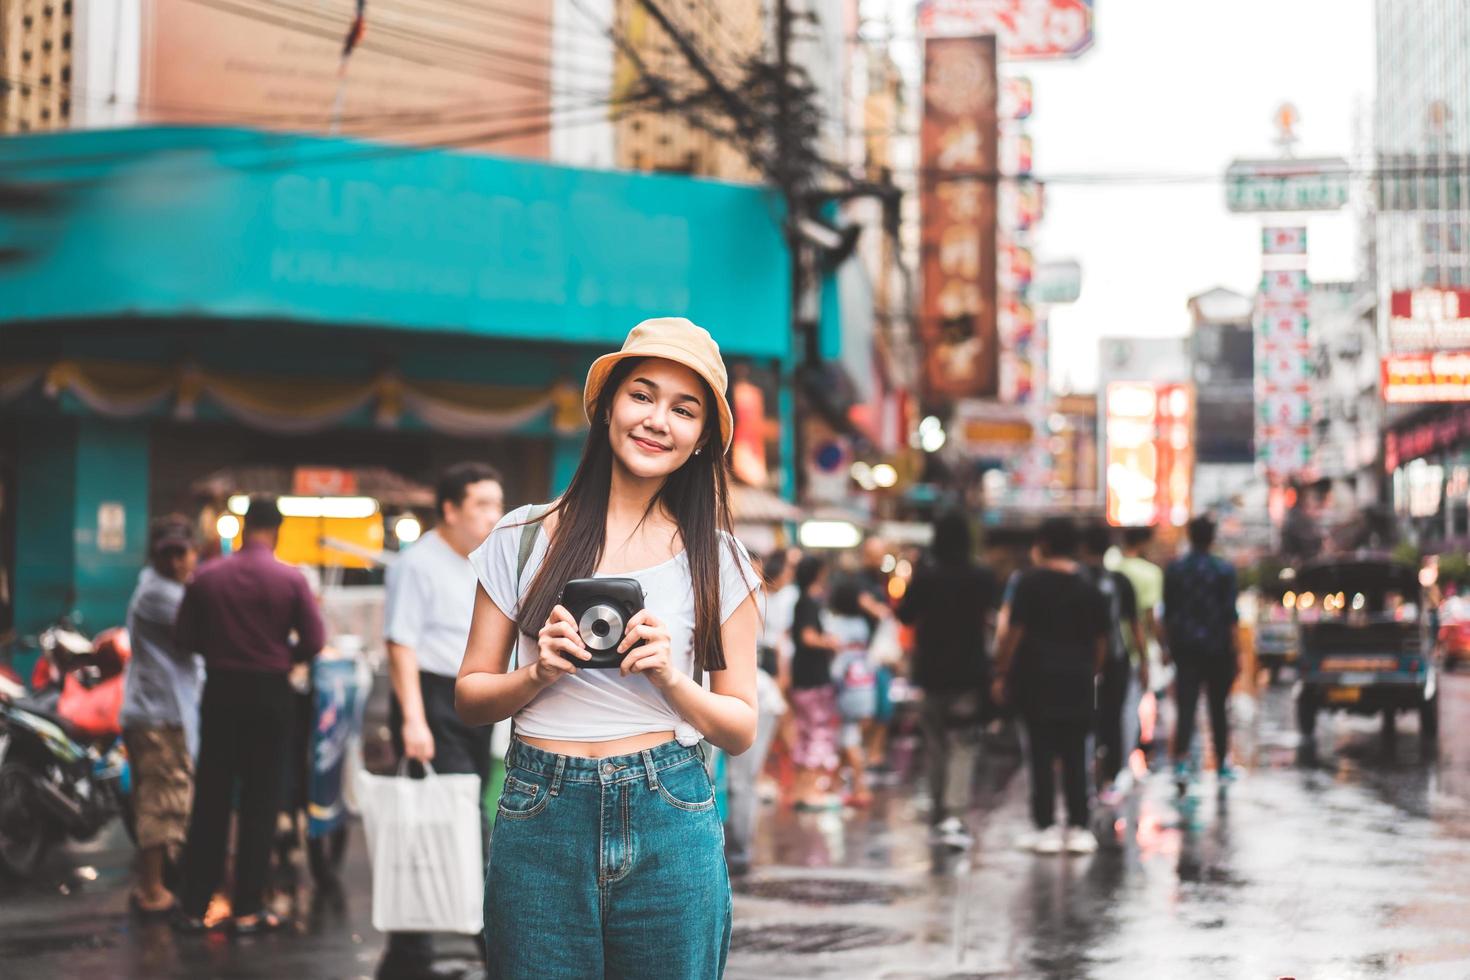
(1284, 241)
(1021, 204)
(1028, 30)
(958, 148)
(1430, 319)
(1283, 363)
(1016, 101)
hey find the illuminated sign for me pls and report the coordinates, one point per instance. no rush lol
(1150, 453)
(1429, 319)
(1425, 377)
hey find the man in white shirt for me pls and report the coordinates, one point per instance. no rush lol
(431, 597)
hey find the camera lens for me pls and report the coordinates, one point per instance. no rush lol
(601, 627)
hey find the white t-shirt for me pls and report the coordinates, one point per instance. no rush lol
(599, 705)
(780, 609)
(431, 598)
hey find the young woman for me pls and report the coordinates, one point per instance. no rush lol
(608, 852)
(813, 696)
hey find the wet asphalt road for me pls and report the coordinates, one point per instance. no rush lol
(1353, 864)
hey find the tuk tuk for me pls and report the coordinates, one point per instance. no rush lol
(1364, 642)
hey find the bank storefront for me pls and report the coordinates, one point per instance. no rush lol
(179, 302)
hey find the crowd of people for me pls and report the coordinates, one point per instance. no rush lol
(1075, 649)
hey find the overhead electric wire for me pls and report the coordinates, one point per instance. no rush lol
(370, 43)
(377, 28)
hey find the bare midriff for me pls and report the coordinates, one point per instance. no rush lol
(600, 750)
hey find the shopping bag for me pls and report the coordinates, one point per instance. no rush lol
(423, 839)
(886, 649)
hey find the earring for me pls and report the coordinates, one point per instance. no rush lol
(698, 451)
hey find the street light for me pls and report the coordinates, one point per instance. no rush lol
(830, 534)
(228, 527)
(931, 434)
(407, 529)
(884, 475)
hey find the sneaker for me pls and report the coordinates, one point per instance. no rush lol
(1226, 773)
(1027, 841)
(1050, 841)
(949, 825)
(1080, 840)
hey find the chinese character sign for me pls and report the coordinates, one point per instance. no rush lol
(958, 144)
(1283, 358)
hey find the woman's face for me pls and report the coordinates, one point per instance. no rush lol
(657, 418)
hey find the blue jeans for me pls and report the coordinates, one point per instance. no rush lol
(607, 868)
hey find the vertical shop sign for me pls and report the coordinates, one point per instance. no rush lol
(958, 147)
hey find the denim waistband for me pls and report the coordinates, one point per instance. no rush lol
(613, 769)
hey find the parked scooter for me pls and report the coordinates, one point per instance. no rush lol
(63, 768)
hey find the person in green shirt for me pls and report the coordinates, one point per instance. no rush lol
(1147, 580)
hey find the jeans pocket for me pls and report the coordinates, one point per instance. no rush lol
(522, 798)
(687, 786)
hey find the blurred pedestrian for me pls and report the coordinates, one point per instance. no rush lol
(856, 686)
(1200, 627)
(1147, 580)
(951, 602)
(1115, 691)
(1048, 655)
(251, 617)
(871, 582)
(160, 713)
(743, 772)
(431, 599)
(813, 696)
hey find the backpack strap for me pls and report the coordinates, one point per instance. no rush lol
(528, 544)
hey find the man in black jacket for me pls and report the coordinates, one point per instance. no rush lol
(951, 602)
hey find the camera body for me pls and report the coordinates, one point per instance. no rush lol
(602, 608)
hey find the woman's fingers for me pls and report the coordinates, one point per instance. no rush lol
(644, 658)
(571, 648)
(642, 633)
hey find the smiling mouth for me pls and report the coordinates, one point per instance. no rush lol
(651, 446)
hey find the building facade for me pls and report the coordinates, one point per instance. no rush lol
(1422, 257)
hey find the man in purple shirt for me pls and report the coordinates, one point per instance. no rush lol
(251, 618)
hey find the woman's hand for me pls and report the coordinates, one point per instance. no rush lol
(652, 657)
(998, 691)
(558, 647)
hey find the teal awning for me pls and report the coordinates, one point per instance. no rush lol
(239, 224)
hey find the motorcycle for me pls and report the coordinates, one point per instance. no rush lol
(63, 769)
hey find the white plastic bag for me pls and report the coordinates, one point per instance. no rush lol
(885, 649)
(423, 839)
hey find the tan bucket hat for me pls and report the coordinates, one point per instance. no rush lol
(675, 339)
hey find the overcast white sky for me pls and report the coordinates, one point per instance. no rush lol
(1184, 86)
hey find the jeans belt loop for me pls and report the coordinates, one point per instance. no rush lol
(561, 764)
(648, 768)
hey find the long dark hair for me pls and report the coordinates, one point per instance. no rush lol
(697, 494)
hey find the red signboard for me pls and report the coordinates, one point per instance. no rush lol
(958, 140)
(1430, 319)
(1426, 377)
(1027, 29)
(316, 481)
